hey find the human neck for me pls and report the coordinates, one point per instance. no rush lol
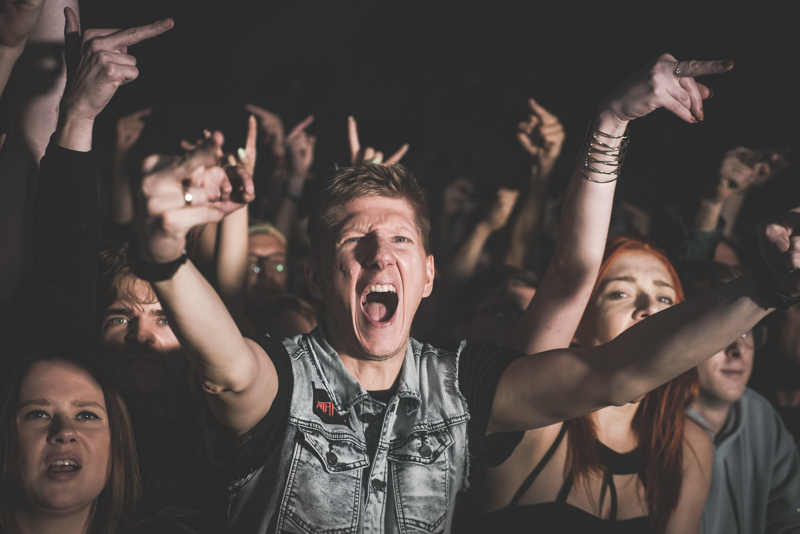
(35, 523)
(713, 411)
(613, 426)
(375, 375)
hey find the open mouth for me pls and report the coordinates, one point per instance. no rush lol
(380, 302)
(63, 466)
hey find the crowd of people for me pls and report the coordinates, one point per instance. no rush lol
(199, 350)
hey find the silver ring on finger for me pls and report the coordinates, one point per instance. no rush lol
(188, 197)
(677, 72)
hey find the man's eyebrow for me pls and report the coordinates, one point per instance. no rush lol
(118, 311)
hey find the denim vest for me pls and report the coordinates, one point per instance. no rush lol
(350, 463)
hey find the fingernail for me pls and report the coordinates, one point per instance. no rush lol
(710, 93)
(351, 118)
(702, 116)
(206, 133)
(242, 154)
(727, 63)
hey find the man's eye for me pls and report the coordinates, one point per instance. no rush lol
(617, 295)
(87, 416)
(116, 321)
(401, 239)
(163, 321)
(352, 240)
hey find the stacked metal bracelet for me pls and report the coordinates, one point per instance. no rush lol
(615, 156)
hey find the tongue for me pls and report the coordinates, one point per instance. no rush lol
(62, 468)
(377, 311)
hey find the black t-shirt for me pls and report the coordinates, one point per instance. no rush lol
(480, 367)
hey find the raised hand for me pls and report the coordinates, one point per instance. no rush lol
(779, 241)
(501, 210)
(301, 148)
(666, 83)
(272, 127)
(98, 63)
(129, 128)
(542, 136)
(458, 197)
(369, 154)
(187, 192)
(17, 20)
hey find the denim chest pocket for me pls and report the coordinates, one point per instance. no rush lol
(420, 467)
(323, 489)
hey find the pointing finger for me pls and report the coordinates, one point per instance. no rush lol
(352, 136)
(696, 100)
(71, 24)
(547, 117)
(131, 36)
(699, 68)
(305, 123)
(397, 156)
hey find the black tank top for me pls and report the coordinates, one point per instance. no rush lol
(558, 516)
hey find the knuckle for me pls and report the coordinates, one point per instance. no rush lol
(95, 45)
(693, 65)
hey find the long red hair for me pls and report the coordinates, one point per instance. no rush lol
(659, 421)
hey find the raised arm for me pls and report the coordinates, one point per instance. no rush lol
(542, 137)
(563, 384)
(462, 266)
(555, 311)
(300, 147)
(239, 378)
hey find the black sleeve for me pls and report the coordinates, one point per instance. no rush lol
(233, 457)
(479, 370)
(62, 285)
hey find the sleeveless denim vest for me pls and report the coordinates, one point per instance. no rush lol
(350, 463)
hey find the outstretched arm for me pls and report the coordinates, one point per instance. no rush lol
(238, 377)
(563, 384)
(555, 311)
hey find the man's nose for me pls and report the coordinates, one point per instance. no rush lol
(378, 253)
(61, 430)
(734, 350)
(142, 332)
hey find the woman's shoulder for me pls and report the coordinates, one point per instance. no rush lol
(697, 443)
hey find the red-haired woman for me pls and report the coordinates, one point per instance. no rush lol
(641, 467)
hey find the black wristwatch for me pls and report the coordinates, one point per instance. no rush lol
(154, 272)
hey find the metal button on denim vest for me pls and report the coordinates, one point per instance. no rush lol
(350, 463)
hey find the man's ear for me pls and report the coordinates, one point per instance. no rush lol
(315, 285)
(430, 274)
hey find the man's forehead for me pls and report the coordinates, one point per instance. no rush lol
(376, 211)
(134, 294)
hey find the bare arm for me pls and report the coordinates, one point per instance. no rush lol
(555, 311)
(698, 458)
(463, 264)
(300, 147)
(563, 384)
(542, 136)
(239, 378)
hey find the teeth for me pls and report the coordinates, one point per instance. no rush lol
(382, 288)
(65, 462)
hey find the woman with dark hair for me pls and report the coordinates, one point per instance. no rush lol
(67, 456)
(640, 467)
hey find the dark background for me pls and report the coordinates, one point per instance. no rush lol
(452, 79)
